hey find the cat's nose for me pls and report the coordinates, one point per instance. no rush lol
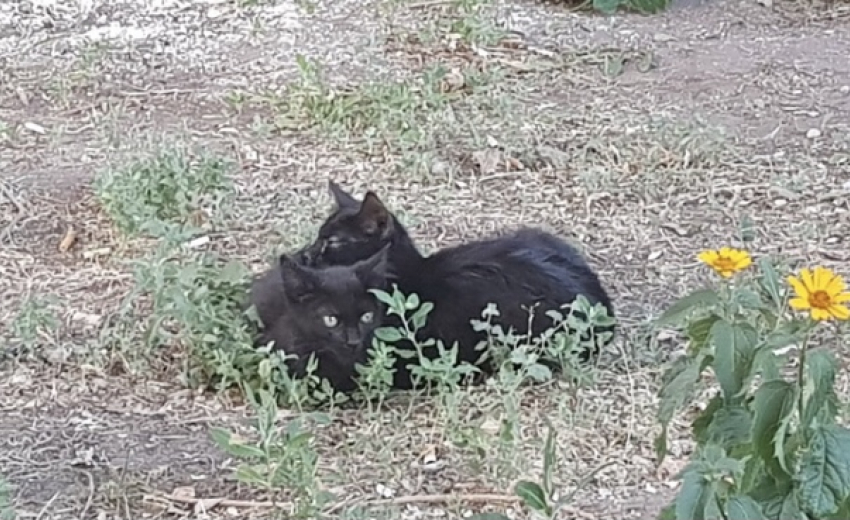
(352, 340)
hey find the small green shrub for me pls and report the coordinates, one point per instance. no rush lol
(168, 189)
(768, 446)
(281, 460)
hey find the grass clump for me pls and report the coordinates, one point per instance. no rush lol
(170, 188)
(768, 443)
(380, 114)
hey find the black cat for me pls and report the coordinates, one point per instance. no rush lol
(325, 311)
(526, 268)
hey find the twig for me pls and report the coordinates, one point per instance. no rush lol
(7, 231)
(428, 3)
(224, 502)
(91, 494)
(414, 499)
(431, 499)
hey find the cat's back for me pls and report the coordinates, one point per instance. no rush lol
(529, 260)
(520, 247)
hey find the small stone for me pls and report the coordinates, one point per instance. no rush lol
(780, 203)
(813, 133)
(845, 89)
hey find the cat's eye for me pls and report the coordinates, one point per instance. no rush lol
(330, 321)
(367, 317)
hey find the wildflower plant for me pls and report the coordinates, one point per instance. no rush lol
(768, 444)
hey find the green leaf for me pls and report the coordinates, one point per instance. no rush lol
(703, 421)
(412, 301)
(742, 507)
(819, 389)
(770, 282)
(388, 334)
(668, 513)
(747, 229)
(734, 347)
(677, 386)
(731, 426)
(647, 6)
(549, 458)
(677, 311)
(699, 332)
(824, 474)
(748, 299)
(248, 475)
(383, 297)
(533, 496)
(773, 403)
(697, 498)
(606, 6)
(420, 317)
(221, 437)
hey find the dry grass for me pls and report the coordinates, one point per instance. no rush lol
(561, 125)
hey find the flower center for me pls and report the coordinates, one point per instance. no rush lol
(820, 300)
(724, 264)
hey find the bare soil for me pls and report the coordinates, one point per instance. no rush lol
(743, 114)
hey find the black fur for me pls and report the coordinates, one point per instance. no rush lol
(515, 271)
(319, 310)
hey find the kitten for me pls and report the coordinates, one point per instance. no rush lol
(515, 271)
(325, 311)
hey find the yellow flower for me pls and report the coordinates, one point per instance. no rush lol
(821, 292)
(726, 261)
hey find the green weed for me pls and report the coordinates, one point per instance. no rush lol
(280, 461)
(768, 445)
(169, 189)
(35, 324)
(377, 114)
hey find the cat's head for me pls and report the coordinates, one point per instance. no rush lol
(354, 231)
(332, 306)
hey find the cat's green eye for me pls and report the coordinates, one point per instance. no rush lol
(367, 317)
(330, 321)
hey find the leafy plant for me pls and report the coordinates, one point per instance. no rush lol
(640, 6)
(282, 459)
(166, 190)
(35, 321)
(768, 446)
(540, 497)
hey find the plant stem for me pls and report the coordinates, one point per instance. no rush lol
(801, 374)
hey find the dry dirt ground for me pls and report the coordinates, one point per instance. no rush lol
(643, 139)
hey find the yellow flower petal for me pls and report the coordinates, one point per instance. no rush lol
(841, 298)
(835, 285)
(808, 280)
(840, 312)
(821, 277)
(799, 288)
(709, 257)
(820, 314)
(800, 304)
(744, 262)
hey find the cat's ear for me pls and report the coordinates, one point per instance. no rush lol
(374, 267)
(374, 217)
(297, 279)
(342, 198)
